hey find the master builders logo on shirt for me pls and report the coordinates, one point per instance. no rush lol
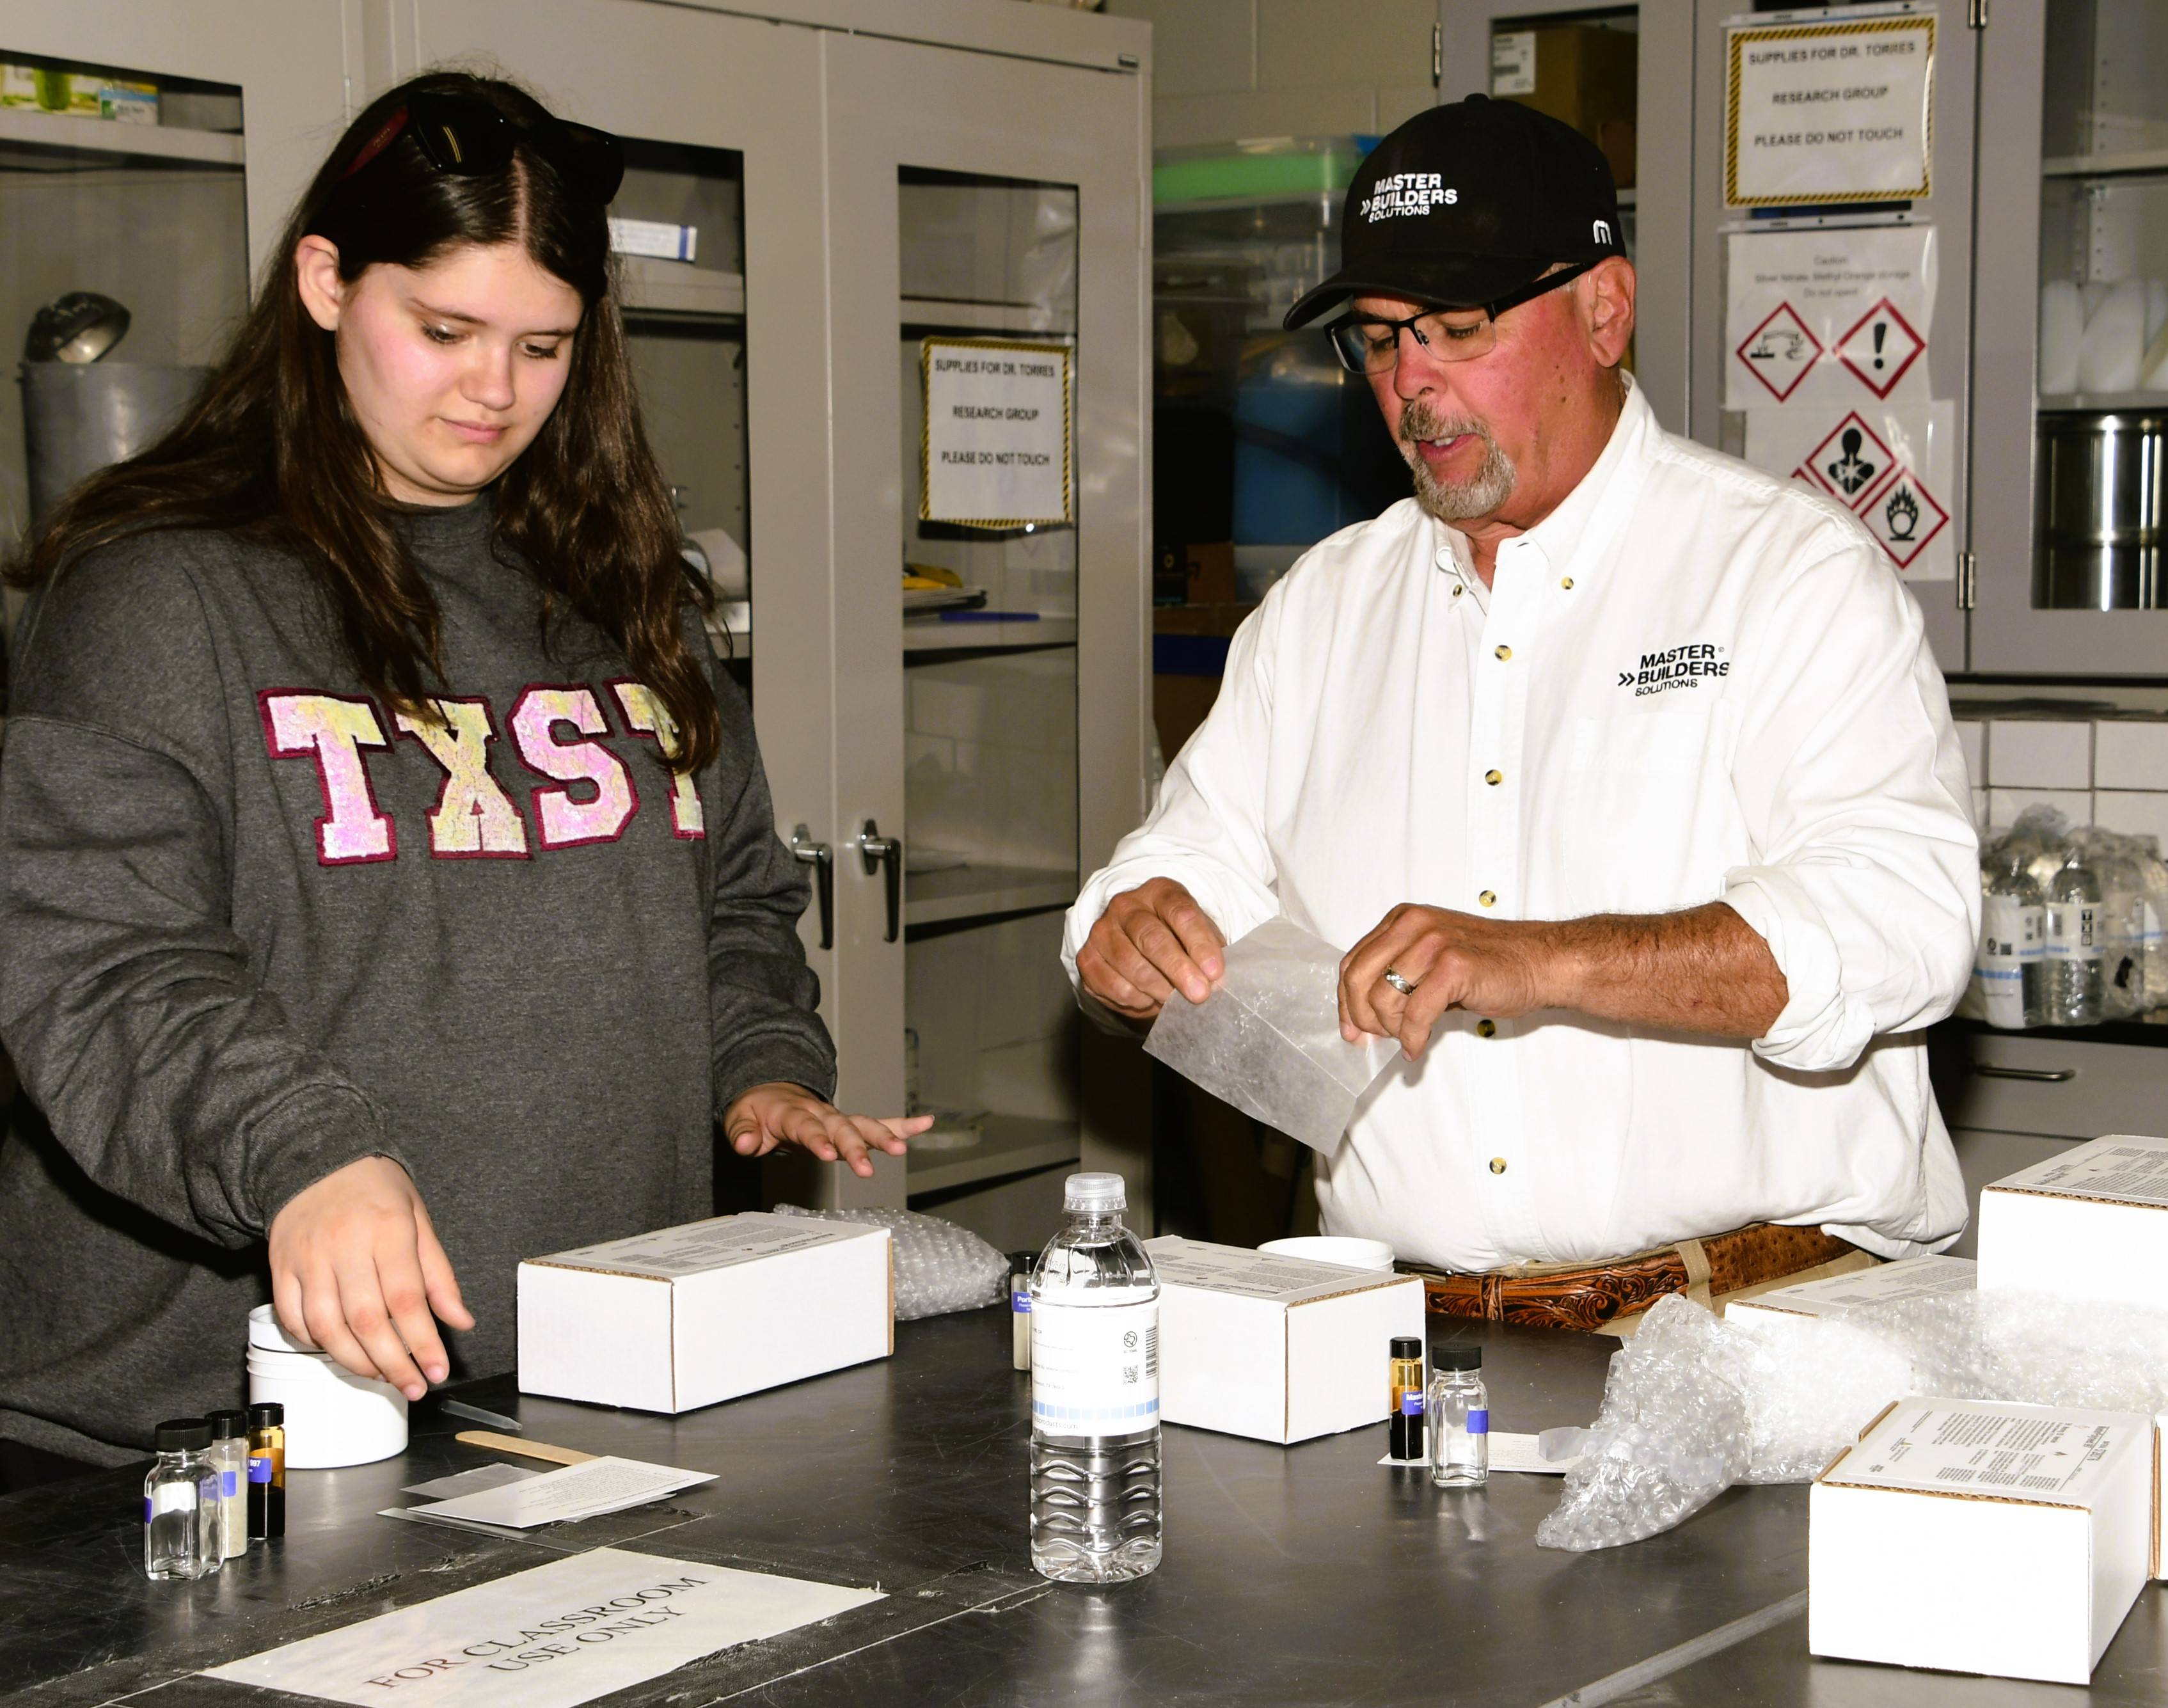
(1677, 667)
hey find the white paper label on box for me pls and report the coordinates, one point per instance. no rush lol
(1095, 1368)
(700, 1246)
(2130, 1171)
(1180, 1262)
(1912, 1278)
(995, 439)
(551, 1637)
(1833, 112)
(1513, 62)
(2017, 1453)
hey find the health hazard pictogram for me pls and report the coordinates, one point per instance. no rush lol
(1881, 348)
(1779, 352)
(1850, 460)
(1904, 516)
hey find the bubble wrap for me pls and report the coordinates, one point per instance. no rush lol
(1693, 1404)
(939, 1267)
(1267, 1039)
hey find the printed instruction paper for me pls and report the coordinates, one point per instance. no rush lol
(584, 1491)
(698, 1247)
(552, 1637)
(2116, 1170)
(2023, 1452)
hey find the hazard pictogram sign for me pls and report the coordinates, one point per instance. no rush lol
(1904, 516)
(1780, 351)
(1881, 347)
(1851, 459)
(1811, 481)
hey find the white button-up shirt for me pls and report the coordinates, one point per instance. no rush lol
(1690, 682)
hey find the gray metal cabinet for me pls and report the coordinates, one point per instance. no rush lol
(871, 177)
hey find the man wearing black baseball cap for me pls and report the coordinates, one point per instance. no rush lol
(1639, 753)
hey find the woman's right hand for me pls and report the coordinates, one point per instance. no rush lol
(356, 1270)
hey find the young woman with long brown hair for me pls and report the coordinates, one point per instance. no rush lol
(377, 829)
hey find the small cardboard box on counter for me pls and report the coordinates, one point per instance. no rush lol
(1770, 1316)
(1977, 1536)
(686, 1317)
(2089, 1224)
(1274, 1348)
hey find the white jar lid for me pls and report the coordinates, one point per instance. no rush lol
(264, 1331)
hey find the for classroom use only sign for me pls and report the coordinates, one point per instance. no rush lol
(1829, 112)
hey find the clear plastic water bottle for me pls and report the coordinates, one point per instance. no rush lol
(2074, 946)
(2123, 924)
(1459, 1408)
(2009, 974)
(182, 1534)
(1095, 1506)
(2154, 932)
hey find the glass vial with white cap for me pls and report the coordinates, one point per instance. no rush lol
(1095, 1461)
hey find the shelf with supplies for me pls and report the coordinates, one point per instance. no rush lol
(930, 634)
(1008, 1144)
(2128, 163)
(952, 314)
(978, 891)
(83, 135)
(649, 286)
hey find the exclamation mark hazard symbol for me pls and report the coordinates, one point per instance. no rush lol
(1881, 332)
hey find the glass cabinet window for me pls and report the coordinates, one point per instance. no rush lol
(2102, 373)
(123, 267)
(677, 225)
(988, 277)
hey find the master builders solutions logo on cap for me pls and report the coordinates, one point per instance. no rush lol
(1467, 203)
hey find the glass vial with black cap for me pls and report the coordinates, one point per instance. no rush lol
(1459, 1417)
(229, 1457)
(1405, 1421)
(267, 1472)
(1020, 1266)
(181, 1537)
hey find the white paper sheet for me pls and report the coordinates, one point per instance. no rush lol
(552, 1637)
(474, 1481)
(587, 1491)
(1516, 1453)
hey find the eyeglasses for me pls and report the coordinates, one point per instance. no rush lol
(468, 138)
(1368, 345)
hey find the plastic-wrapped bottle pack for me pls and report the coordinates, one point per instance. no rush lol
(1693, 1404)
(939, 1267)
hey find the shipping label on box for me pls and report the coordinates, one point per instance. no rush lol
(2089, 1224)
(1975, 1536)
(1274, 1348)
(687, 1317)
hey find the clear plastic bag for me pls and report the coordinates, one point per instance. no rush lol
(1693, 1404)
(939, 1267)
(1267, 1039)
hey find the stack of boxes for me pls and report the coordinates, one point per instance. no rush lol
(2112, 772)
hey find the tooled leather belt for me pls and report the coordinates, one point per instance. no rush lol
(1588, 1296)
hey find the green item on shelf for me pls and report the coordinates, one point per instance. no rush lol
(1321, 166)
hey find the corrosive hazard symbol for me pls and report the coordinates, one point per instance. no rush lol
(1880, 347)
(1779, 352)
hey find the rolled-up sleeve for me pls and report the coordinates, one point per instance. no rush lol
(1207, 829)
(1865, 882)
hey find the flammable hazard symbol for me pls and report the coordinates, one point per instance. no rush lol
(1850, 460)
(1881, 347)
(1779, 352)
(1904, 516)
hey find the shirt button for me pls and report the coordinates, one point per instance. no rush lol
(1494, 778)
(1504, 652)
(1486, 1029)
(1458, 589)
(1489, 898)
(1566, 581)
(1497, 1165)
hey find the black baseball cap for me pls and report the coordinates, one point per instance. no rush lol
(1465, 204)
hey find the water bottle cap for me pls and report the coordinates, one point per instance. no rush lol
(184, 1435)
(1095, 1192)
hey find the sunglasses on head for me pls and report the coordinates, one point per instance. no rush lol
(468, 138)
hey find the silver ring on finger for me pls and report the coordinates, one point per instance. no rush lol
(1403, 986)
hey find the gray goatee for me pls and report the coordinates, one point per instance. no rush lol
(1449, 500)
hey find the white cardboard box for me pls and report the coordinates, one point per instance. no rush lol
(2091, 1223)
(1277, 1349)
(1770, 1316)
(1975, 1536)
(2025, 752)
(685, 1317)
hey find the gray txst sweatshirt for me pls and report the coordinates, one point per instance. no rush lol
(254, 926)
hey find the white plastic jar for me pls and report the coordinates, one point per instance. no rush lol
(333, 1417)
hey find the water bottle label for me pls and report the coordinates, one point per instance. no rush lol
(1094, 1369)
(1478, 1421)
(2073, 932)
(1999, 968)
(259, 1468)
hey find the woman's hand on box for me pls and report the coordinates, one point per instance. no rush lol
(356, 1270)
(769, 1115)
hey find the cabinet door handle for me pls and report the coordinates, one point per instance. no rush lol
(885, 854)
(822, 859)
(2037, 1075)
